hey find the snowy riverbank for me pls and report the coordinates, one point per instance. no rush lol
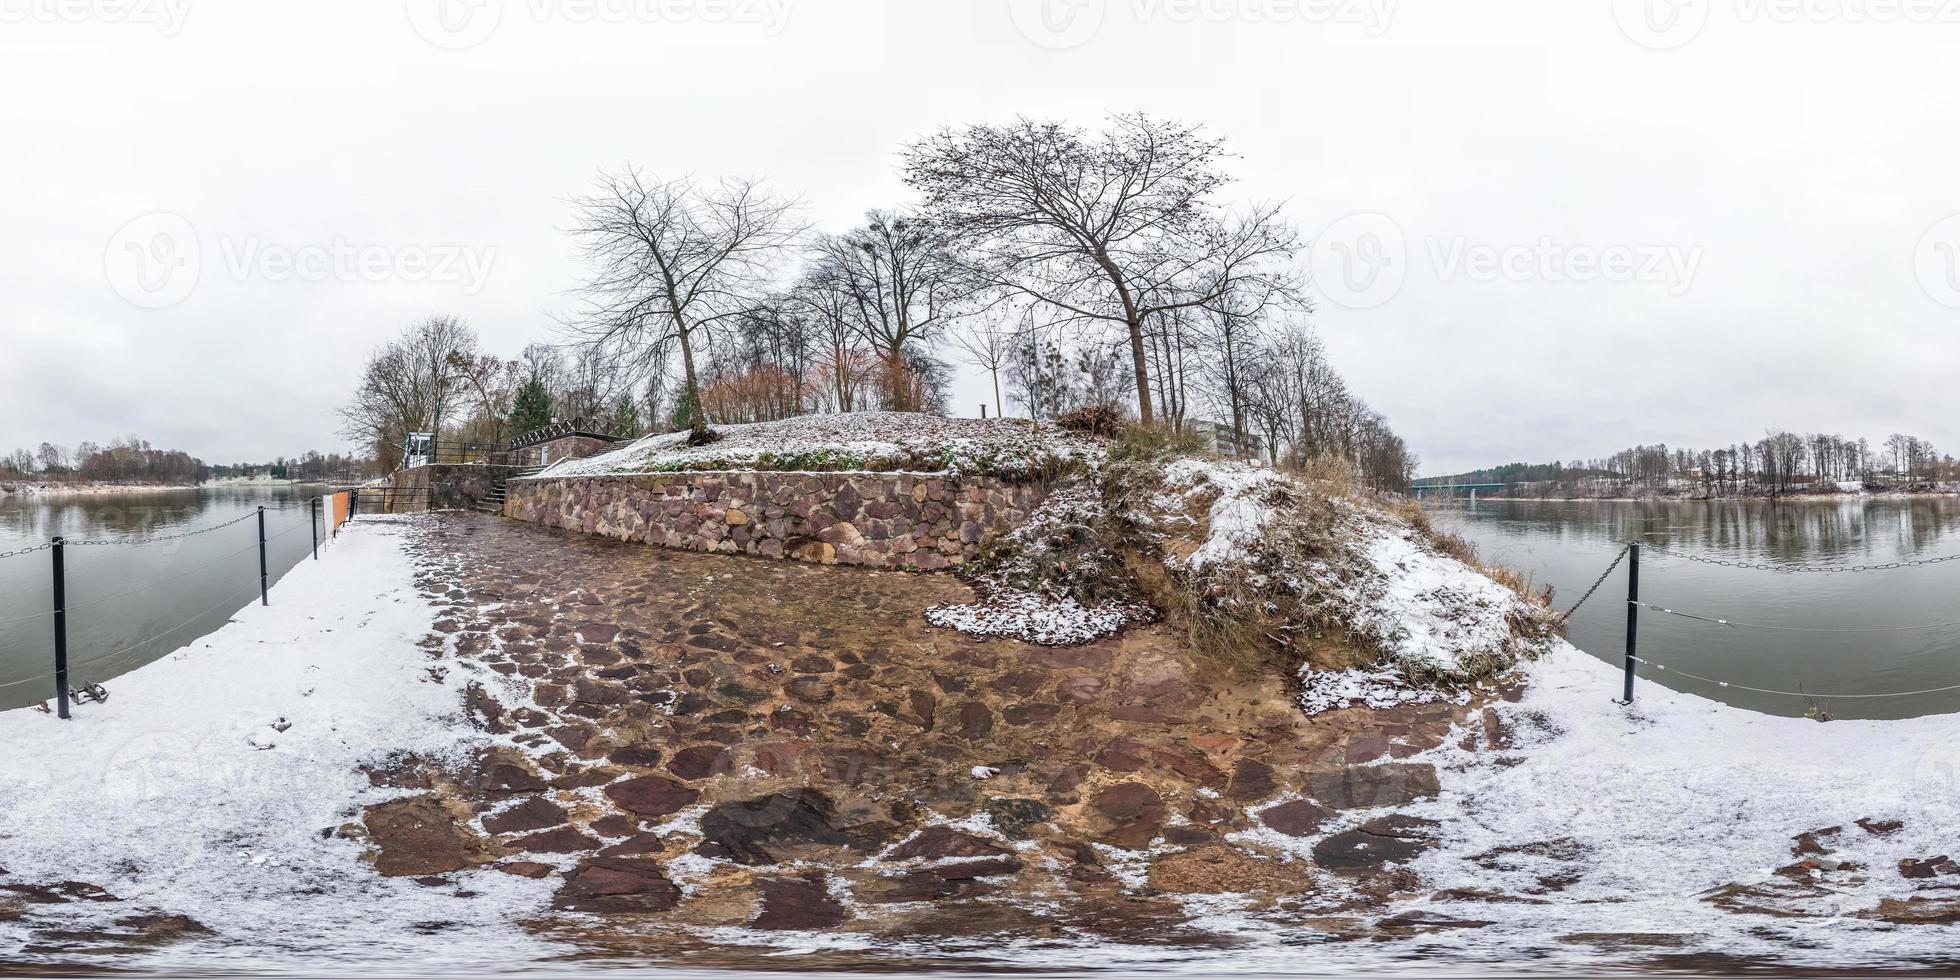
(214, 795)
(90, 489)
(209, 785)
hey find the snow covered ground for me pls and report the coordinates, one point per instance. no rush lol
(1650, 809)
(206, 786)
(1595, 834)
(865, 441)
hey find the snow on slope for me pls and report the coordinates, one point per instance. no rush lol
(181, 794)
(1432, 615)
(876, 441)
(1652, 807)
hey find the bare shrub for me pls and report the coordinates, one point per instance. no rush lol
(1105, 420)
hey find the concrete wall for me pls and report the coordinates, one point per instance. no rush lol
(884, 520)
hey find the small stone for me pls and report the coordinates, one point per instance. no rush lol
(416, 836)
(563, 840)
(1133, 812)
(1365, 787)
(701, 761)
(616, 885)
(811, 690)
(1251, 780)
(535, 813)
(803, 902)
(1300, 818)
(525, 869)
(652, 796)
(1014, 818)
(945, 842)
(1370, 847)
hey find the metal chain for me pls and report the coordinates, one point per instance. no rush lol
(152, 539)
(1827, 569)
(1732, 624)
(26, 551)
(1795, 694)
(1603, 576)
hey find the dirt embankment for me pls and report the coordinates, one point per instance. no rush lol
(717, 741)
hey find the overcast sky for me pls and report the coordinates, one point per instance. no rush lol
(1545, 228)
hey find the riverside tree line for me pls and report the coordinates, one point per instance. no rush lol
(1071, 267)
(1778, 463)
(133, 461)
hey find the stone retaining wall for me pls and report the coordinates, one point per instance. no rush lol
(884, 520)
(438, 487)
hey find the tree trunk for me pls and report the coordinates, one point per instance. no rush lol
(697, 418)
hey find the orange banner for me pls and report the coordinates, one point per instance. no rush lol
(337, 512)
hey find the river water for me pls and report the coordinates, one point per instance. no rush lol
(1569, 543)
(147, 592)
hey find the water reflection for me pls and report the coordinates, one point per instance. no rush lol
(1568, 543)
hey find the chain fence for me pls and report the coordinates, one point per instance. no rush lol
(1634, 604)
(323, 520)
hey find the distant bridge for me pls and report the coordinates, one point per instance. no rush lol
(1421, 489)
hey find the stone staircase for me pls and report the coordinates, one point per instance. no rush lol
(493, 503)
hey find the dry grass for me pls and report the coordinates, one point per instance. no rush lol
(1241, 618)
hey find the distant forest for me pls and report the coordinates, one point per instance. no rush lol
(1779, 463)
(133, 461)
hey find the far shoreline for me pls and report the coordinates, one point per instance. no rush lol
(93, 489)
(1734, 498)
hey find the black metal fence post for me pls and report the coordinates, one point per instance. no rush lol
(1633, 613)
(263, 600)
(313, 520)
(60, 628)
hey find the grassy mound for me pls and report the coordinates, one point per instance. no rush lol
(1266, 570)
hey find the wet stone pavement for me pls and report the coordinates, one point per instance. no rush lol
(680, 740)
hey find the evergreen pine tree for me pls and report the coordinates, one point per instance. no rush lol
(625, 422)
(532, 410)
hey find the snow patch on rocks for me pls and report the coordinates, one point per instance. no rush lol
(1035, 618)
(1333, 690)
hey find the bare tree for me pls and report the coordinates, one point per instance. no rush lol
(901, 284)
(671, 260)
(1116, 227)
(987, 342)
(410, 385)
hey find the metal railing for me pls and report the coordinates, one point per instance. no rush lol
(58, 548)
(1630, 554)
